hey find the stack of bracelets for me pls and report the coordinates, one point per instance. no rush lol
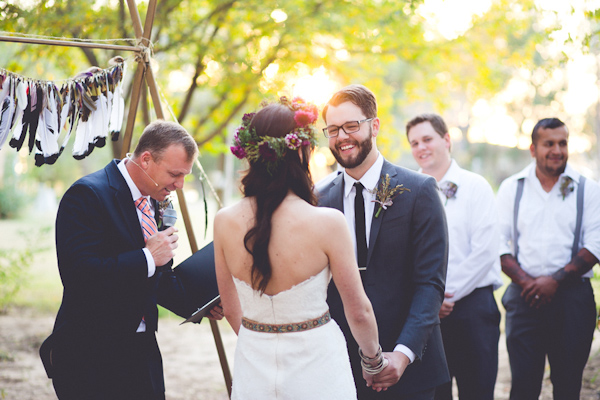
(373, 365)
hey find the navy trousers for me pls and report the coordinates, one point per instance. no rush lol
(127, 367)
(562, 331)
(471, 333)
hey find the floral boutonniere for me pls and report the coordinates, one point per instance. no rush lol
(449, 190)
(385, 194)
(162, 206)
(566, 186)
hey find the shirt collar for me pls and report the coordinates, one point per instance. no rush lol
(452, 175)
(369, 180)
(135, 192)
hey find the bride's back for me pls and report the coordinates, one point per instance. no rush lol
(296, 248)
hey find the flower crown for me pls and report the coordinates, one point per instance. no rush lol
(271, 150)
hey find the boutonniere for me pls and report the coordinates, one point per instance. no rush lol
(566, 186)
(385, 194)
(162, 206)
(449, 190)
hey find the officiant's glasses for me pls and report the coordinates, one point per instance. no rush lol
(349, 127)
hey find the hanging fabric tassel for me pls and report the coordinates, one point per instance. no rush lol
(20, 96)
(6, 88)
(6, 115)
(80, 147)
(65, 114)
(118, 104)
(37, 100)
(101, 117)
(47, 139)
(21, 132)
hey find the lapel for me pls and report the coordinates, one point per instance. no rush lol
(334, 198)
(123, 203)
(376, 222)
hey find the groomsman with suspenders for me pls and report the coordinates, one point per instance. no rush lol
(550, 240)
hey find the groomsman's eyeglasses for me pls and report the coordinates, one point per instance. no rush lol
(349, 127)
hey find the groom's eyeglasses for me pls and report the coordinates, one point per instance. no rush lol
(349, 127)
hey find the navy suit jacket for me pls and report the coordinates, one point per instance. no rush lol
(104, 273)
(405, 279)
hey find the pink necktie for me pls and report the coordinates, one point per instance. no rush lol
(149, 227)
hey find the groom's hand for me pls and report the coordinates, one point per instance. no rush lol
(398, 362)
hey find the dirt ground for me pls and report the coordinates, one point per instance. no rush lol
(191, 364)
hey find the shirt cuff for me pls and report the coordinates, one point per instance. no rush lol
(150, 261)
(406, 351)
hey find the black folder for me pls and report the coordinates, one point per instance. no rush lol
(198, 279)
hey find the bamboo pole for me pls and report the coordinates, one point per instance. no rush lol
(133, 105)
(68, 43)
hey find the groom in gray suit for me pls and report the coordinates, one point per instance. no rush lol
(403, 257)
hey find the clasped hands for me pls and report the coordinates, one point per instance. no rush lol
(539, 291)
(397, 363)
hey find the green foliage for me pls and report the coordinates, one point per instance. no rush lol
(13, 199)
(14, 266)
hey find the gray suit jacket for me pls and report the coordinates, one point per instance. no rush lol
(405, 279)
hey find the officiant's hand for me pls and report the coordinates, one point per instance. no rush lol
(397, 363)
(216, 313)
(162, 245)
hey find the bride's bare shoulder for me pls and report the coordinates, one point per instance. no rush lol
(239, 212)
(329, 217)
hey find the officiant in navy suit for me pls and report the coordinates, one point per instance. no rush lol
(115, 266)
(402, 250)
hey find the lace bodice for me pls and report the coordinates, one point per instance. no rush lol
(301, 302)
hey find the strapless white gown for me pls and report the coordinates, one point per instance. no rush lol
(309, 364)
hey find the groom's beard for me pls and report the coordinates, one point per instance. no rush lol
(364, 148)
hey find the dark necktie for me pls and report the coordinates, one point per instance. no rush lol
(359, 225)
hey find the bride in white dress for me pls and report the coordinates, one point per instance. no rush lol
(275, 254)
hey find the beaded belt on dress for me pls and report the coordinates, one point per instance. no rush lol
(284, 328)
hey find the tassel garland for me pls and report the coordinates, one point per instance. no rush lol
(90, 105)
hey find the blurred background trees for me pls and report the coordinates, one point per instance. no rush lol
(491, 68)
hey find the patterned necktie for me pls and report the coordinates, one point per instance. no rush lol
(149, 227)
(359, 225)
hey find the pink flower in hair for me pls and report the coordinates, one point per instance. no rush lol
(304, 118)
(238, 151)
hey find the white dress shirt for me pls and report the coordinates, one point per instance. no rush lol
(473, 235)
(369, 180)
(546, 221)
(136, 194)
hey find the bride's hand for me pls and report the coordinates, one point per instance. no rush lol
(370, 378)
(398, 362)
